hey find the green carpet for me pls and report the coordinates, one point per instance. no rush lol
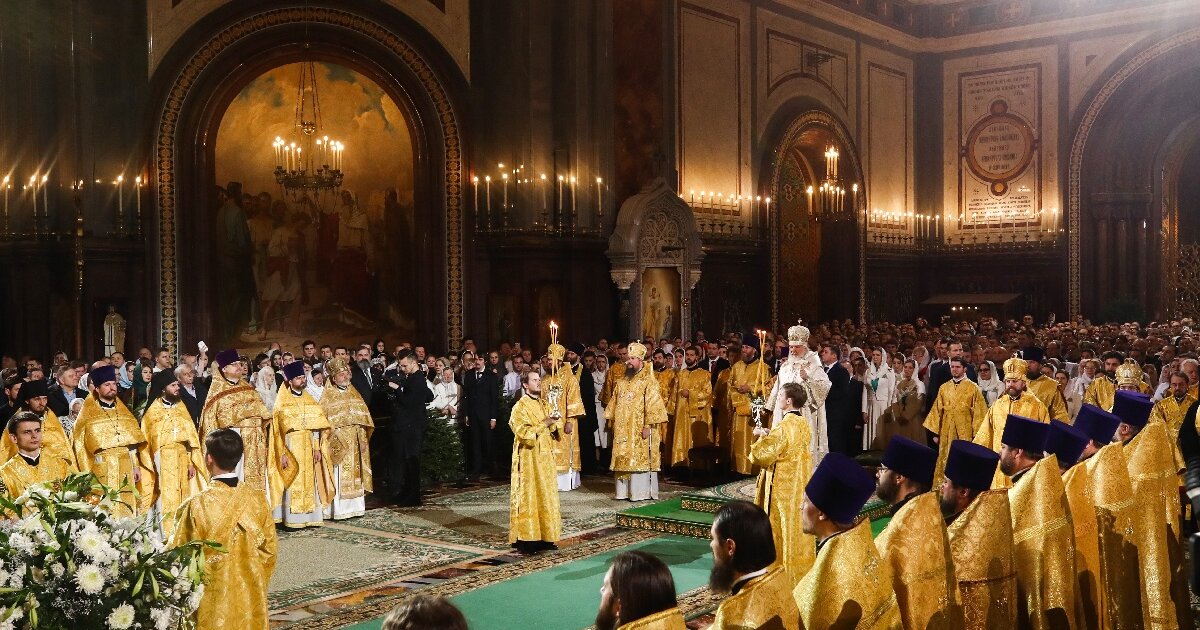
(670, 509)
(566, 597)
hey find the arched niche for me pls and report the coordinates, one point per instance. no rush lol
(209, 66)
(654, 245)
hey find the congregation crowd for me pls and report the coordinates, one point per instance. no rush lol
(1033, 470)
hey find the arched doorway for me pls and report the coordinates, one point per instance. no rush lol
(1132, 206)
(814, 261)
(206, 71)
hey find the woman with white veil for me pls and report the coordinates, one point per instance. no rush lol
(877, 397)
(990, 382)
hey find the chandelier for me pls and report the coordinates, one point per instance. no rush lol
(311, 162)
(828, 201)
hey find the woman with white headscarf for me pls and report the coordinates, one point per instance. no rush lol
(1078, 385)
(990, 382)
(880, 383)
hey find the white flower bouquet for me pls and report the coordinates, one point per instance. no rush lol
(67, 562)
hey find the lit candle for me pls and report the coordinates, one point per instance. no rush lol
(544, 208)
(325, 152)
(599, 198)
(487, 182)
(45, 200)
(7, 186)
(572, 197)
(504, 176)
(475, 182)
(120, 203)
(560, 195)
(137, 186)
(553, 340)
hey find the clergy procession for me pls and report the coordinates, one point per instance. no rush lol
(1018, 513)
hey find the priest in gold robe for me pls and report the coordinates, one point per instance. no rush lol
(692, 401)
(31, 465)
(233, 403)
(784, 460)
(109, 443)
(849, 586)
(56, 442)
(665, 375)
(534, 517)
(1118, 597)
(957, 412)
(1016, 401)
(616, 370)
(1151, 462)
(915, 544)
(747, 380)
(722, 433)
(302, 486)
(636, 415)
(349, 441)
(759, 589)
(1102, 388)
(1044, 387)
(173, 444)
(561, 387)
(979, 527)
(638, 593)
(1043, 533)
(1172, 409)
(236, 516)
(1067, 443)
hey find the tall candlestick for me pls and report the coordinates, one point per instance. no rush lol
(599, 199)
(487, 181)
(560, 194)
(475, 184)
(120, 204)
(7, 186)
(137, 186)
(545, 208)
(574, 213)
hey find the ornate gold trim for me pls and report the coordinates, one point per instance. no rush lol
(663, 525)
(249, 26)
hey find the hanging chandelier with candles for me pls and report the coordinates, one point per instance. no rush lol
(830, 202)
(310, 163)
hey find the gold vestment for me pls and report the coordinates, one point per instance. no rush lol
(1172, 412)
(722, 435)
(849, 585)
(55, 442)
(109, 443)
(533, 507)
(1046, 390)
(916, 547)
(293, 422)
(1111, 493)
(236, 576)
(762, 602)
(1044, 546)
(784, 460)
(174, 446)
(669, 619)
(1100, 392)
(956, 414)
(693, 415)
(349, 439)
(666, 390)
(754, 376)
(636, 404)
(616, 372)
(982, 545)
(991, 431)
(1088, 593)
(570, 406)
(1156, 497)
(16, 475)
(239, 406)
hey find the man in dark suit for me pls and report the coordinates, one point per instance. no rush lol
(192, 390)
(714, 362)
(839, 407)
(65, 391)
(408, 392)
(940, 372)
(589, 422)
(361, 376)
(480, 406)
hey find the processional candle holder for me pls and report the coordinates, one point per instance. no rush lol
(757, 405)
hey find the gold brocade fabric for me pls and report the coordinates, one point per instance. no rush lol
(756, 377)
(1046, 390)
(636, 404)
(992, 429)
(110, 444)
(1100, 392)
(956, 414)
(294, 422)
(984, 564)
(1156, 513)
(916, 547)
(239, 406)
(849, 585)
(762, 602)
(174, 447)
(666, 387)
(349, 442)
(670, 619)
(533, 507)
(236, 577)
(1172, 412)
(1089, 596)
(784, 459)
(693, 415)
(721, 409)
(16, 475)
(55, 442)
(1044, 546)
(1111, 494)
(570, 407)
(616, 372)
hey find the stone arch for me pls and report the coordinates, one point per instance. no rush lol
(234, 46)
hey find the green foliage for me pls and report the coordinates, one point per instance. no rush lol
(442, 453)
